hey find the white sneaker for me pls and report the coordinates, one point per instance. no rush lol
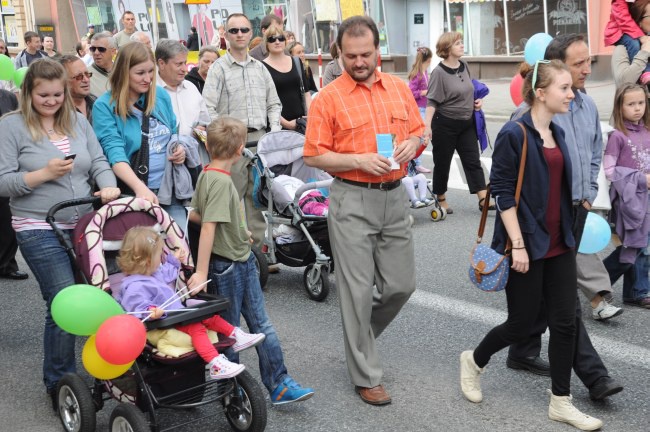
(245, 340)
(605, 311)
(427, 202)
(561, 409)
(417, 204)
(222, 368)
(470, 377)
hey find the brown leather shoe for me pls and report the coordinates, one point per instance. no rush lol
(374, 395)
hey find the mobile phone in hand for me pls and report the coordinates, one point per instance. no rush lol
(70, 156)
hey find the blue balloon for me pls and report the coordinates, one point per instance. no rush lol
(535, 47)
(596, 235)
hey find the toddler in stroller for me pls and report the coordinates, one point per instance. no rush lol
(146, 288)
(173, 377)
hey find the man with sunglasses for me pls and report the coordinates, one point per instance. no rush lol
(239, 86)
(584, 141)
(260, 52)
(102, 48)
(79, 85)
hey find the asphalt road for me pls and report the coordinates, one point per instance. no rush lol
(419, 351)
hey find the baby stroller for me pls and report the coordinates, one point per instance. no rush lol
(307, 245)
(155, 380)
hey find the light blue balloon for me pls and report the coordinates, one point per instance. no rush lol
(535, 47)
(596, 235)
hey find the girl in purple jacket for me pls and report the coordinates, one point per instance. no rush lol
(148, 285)
(419, 83)
(627, 165)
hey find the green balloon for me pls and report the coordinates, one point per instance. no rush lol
(81, 309)
(19, 76)
(6, 68)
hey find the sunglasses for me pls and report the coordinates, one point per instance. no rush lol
(100, 49)
(81, 76)
(236, 30)
(535, 71)
(272, 39)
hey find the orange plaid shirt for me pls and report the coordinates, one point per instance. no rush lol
(346, 116)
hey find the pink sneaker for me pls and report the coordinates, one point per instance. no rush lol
(222, 368)
(245, 340)
(422, 169)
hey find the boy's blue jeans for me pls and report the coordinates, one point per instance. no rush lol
(240, 283)
(51, 266)
(633, 46)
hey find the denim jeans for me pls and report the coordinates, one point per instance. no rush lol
(53, 270)
(239, 282)
(635, 276)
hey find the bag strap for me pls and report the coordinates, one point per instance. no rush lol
(299, 69)
(520, 181)
(141, 162)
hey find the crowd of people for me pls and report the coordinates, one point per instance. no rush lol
(121, 116)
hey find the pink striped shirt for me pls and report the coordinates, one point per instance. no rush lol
(24, 224)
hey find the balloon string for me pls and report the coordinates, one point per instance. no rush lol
(176, 296)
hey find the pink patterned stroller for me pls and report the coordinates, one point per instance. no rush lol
(155, 380)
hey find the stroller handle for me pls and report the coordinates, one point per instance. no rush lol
(69, 203)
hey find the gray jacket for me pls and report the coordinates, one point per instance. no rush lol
(585, 143)
(176, 177)
(20, 154)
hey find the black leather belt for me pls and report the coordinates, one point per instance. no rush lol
(384, 186)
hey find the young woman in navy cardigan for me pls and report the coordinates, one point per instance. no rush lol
(542, 256)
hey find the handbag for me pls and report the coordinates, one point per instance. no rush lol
(140, 160)
(488, 269)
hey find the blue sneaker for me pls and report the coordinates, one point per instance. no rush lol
(290, 391)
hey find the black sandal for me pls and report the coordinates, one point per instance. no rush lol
(480, 205)
(449, 210)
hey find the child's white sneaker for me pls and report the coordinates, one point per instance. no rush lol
(222, 368)
(417, 204)
(245, 340)
(427, 202)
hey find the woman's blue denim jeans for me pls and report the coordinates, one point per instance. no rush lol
(53, 270)
(239, 282)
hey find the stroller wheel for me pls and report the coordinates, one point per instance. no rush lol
(245, 407)
(75, 404)
(438, 214)
(128, 418)
(316, 280)
(262, 265)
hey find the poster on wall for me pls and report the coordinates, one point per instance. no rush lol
(207, 18)
(351, 8)
(11, 30)
(7, 6)
(524, 20)
(567, 16)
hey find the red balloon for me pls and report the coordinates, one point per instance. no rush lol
(120, 339)
(515, 89)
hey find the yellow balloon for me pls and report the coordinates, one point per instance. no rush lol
(97, 366)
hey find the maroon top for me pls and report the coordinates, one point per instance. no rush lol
(555, 163)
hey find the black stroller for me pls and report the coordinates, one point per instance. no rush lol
(155, 381)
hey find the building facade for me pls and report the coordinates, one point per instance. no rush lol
(495, 31)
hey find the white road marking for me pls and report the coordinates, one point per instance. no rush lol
(606, 347)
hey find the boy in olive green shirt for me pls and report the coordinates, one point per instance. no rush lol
(225, 257)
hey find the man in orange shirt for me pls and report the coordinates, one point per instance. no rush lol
(348, 126)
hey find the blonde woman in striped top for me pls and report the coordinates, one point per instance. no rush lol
(50, 154)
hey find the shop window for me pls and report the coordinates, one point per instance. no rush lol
(525, 18)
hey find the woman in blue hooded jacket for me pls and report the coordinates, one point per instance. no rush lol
(118, 118)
